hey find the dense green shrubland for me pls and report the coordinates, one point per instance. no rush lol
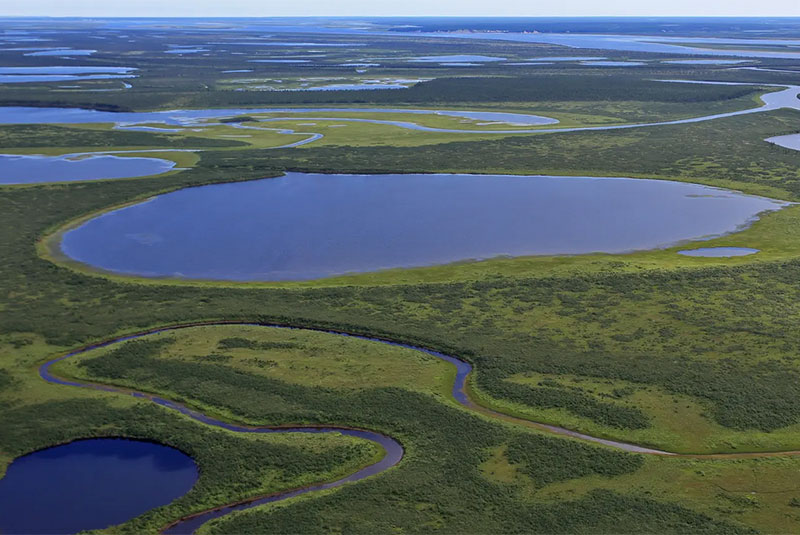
(725, 335)
(234, 466)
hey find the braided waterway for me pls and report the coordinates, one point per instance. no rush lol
(394, 450)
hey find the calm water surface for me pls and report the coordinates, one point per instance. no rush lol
(791, 141)
(613, 63)
(90, 484)
(62, 52)
(705, 61)
(77, 69)
(16, 169)
(26, 78)
(27, 115)
(305, 226)
(719, 252)
(456, 58)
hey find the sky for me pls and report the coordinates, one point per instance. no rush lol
(504, 8)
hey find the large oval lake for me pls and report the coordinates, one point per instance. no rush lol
(306, 226)
(91, 484)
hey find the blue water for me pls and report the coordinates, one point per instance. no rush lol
(790, 141)
(455, 59)
(25, 78)
(75, 69)
(705, 61)
(719, 252)
(279, 61)
(567, 58)
(510, 118)
(306, 226)
(90, 484)
(655, 42)
(62, 52)
(630, 43)
(613, 63)
(786, 98)
(288, 44)
(16, 169)
(186, 50)
(25, 115)
(634, 36)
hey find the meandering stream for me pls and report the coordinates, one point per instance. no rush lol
(394, 450)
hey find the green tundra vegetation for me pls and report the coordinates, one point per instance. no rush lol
(696, 356)
(267, 375)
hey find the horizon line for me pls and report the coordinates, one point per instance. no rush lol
(713, 17)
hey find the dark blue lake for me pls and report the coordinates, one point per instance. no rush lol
(18, 169)
(305, 226)
(90, 484)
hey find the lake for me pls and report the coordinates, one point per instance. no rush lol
(719, 252)
(91, 484)
(75, 69)
(459, 58)
(306, 226)
(613, 63)
(790, 141)
(19, 169)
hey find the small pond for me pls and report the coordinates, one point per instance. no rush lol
(62, 52)
(613, 63)
(719, 252)
(75, 69)
(91, 484)
(27, 78)
(19, 169)
(279, 60)
(455, 59)
(790, 141)
(306, 226)
(567, 58)
(705, 61)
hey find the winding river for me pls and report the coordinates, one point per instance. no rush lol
(394, 450)
(787, 97)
